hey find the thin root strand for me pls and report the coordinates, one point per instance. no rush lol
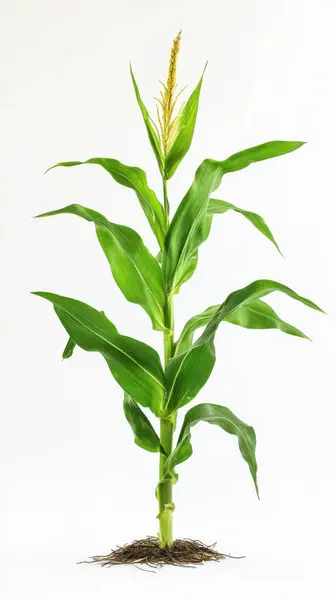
(147, 552)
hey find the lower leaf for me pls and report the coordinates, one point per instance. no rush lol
(134, 365)
(224, 418)
(145, 435)
(187, 373)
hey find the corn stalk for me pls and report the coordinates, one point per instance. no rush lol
(152, 282)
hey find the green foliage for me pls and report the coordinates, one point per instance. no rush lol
(253, 314)
(145, 435)
(224, 418)
(190, 225)
(135, 365)
(152, 283)
(187, 373)
(135, 270)
(183, 139)
(135, 179)
(152, 135)
(219, 207)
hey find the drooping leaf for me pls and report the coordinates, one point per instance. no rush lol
(190, 225)
(221, 207)
(187, 373)
(135, 365)
(186, 124)
(135, 270)
(145, 435)
(135, 179)
(152, 135)
(224, 418)
(254, 314)
(69, 348)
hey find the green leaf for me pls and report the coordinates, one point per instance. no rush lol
(69, 348)
(135, 179)
(135, 365)
(221, 207)
(71, 345)
(153, 137)
(190, 225)
(224, 418)
(254, 314)
(135, 270)
(187, 373)
(145, 435)
(182, 142)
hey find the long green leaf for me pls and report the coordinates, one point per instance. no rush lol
(135, 270)
(135, 365)
(190, 225)
(135, 179)
(152, 135)
(224, 418)
(186, 124)
(216, 207)
(187, 373)
(254, 314)
(145, 435)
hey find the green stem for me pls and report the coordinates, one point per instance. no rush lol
(165, 201)
(167, 424)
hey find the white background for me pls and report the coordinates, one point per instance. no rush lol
(72, 481)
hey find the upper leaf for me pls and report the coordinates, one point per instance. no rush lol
(190, 225)
(254, 314)
(145, 435)
(135, 270)
(135, 365)
(153, 137)
(186, 125)
(224, 418)
(188, 372)
(134, 178)
(216, 207)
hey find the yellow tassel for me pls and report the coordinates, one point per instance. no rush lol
(168, 124)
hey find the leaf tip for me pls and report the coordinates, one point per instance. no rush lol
(278, 249)
(53, 167)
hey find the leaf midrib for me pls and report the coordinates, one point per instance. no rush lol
(139, 272)
(113, 345)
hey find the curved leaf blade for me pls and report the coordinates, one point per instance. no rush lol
(135, 179)
(215, 414)
(182, 142)
(254, 314)
(187, 373)
(69, 348)
(216, 207)
(190, 227)
(152, 135)
(257, 314)
(134, 268)
(134, 365)
(145, 435)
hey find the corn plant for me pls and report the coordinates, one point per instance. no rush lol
(153, 281)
